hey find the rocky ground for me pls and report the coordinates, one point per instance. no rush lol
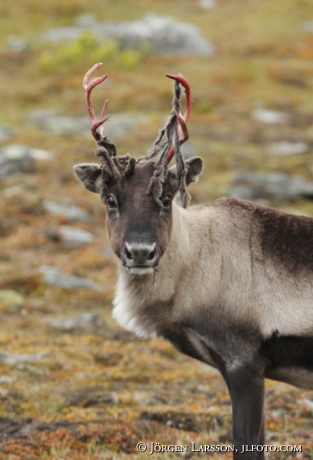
(73, 384)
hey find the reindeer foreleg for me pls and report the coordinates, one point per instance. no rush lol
(246, 386)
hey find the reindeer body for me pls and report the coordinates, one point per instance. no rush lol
(229, 283)
(223, 288)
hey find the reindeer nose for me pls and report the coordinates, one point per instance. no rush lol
(140, 254)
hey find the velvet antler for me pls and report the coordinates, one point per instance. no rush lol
(175, 135)
(88, 87)
(182, 119)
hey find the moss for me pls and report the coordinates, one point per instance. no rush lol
(87, 50)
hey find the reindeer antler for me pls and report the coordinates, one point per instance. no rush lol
(88, 87)
(175, 136)
(182, 119)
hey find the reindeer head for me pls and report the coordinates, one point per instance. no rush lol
(139, 193)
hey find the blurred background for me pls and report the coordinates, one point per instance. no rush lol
(72, 383)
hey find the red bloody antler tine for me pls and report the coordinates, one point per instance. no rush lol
(88, 87)
(182, 119)
(184, 82)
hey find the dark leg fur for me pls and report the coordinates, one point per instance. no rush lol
(246, 387)
(261, 442)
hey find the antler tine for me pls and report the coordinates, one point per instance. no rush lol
(182, 119)
(88, 87)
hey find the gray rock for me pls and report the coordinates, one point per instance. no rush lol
(14, 190)
(164, 34)
(42, 155)
(119, 124)
(243, 192)
(17, 44)
(83, 321)
(63, 34)
(308, 403)
(5, 133)
(258, 185)
(289, 148)
(18, 158)
(16, 358)
(146, 399)
(48, 120)
(279, 413)
(74, 237)
(14, 159)
(68, 210)
(30, 369)
(6, 379)
(268, 116)
(207, 4)
(53, 277)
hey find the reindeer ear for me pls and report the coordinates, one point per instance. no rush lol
(89, 174)
(195, 166)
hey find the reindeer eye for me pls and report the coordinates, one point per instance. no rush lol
(167, 200)
(111, 202)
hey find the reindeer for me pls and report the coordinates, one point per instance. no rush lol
(229, 282)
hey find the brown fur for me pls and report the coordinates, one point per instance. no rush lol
(285, 238)
(141, 207)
